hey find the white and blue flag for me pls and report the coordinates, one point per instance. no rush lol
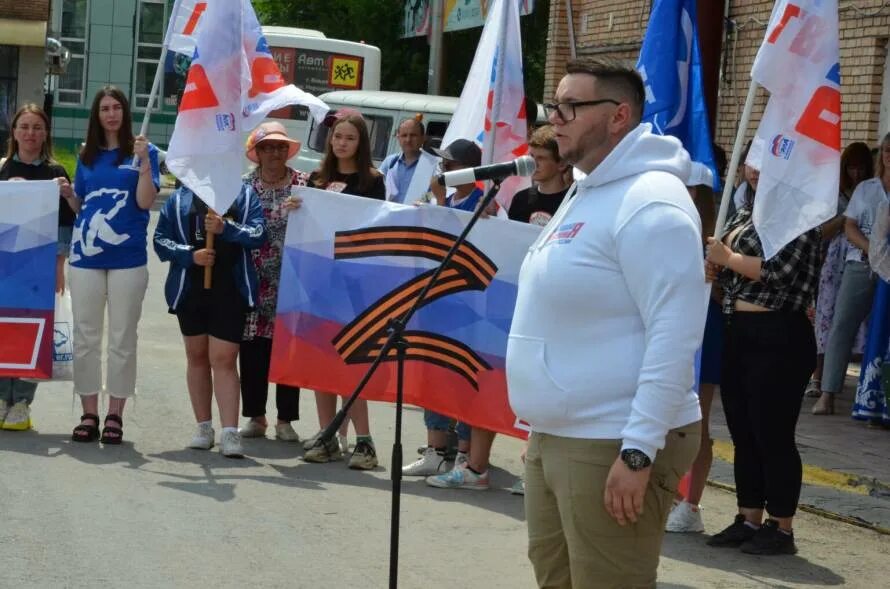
(670, 65)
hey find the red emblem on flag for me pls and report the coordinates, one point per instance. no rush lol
(198, 90)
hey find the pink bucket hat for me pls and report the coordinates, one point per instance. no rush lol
(273, 131)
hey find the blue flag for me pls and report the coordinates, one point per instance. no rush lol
(670, 65)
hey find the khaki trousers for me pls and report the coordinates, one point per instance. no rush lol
(120, 292)
(573, 542)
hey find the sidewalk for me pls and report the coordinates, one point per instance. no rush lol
(846, 463)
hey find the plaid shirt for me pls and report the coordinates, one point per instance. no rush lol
(788, 280)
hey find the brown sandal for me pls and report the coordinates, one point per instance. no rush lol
(84, 432)
(117, 433)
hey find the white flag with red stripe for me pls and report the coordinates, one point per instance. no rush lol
(797, 147)
(491, 109)
(183, 25)
(232, 84)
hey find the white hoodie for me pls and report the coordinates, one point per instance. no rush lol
(612, 303)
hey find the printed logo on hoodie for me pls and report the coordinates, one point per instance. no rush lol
(564, 234)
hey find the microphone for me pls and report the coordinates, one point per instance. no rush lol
(523, 166)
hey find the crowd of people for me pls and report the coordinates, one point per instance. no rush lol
(615, 402)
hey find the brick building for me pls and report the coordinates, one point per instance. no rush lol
(616, 28)
(23, 30)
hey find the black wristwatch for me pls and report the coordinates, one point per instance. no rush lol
(635, 459)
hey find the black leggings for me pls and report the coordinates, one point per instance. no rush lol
(254, 360)
(767, 361)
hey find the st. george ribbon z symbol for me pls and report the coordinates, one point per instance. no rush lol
(362, 339)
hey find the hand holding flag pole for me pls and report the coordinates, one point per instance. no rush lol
(159, 71)
(213, 224)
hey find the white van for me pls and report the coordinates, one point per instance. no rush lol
(383, 111)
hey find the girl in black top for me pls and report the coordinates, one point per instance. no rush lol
(29, 156)
(768, 356)
(347, 168)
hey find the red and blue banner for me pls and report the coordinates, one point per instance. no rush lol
(28, 238)
(351, 264)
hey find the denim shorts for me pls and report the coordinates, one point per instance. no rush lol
(65, 232)
(440, 423)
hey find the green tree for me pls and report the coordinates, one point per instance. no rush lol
(404, 61)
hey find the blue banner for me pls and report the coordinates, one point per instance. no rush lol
(670, 65)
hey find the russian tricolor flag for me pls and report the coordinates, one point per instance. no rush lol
(28, 237)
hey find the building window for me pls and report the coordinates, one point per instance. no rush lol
(9, 73)
(150, 28)
(74, 36)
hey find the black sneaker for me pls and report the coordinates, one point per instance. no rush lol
(769, 540)
(734, 535)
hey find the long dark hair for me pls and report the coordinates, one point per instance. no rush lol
(855, 153)
(12, 146)
(96, 134)
(365, 165)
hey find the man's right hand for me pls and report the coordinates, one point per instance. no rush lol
(204, 257)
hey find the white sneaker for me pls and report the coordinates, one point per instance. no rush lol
(461, 459)
(286, 433)
(231, 445)
(430, 463)
(684, 519)
(460, 477)
(204, 437)
(252, 429)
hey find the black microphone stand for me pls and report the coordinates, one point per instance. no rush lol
(397, 340)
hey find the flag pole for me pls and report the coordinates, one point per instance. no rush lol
(156, 83)
(729, 185)
(209, 244)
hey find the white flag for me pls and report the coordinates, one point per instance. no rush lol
(183, 25)
(232, 84)
(498, 123)
(797, 147)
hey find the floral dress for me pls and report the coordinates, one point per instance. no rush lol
(829, 283)
(261, 321)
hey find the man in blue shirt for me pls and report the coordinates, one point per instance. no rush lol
(398, 168)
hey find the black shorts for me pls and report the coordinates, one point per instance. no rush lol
(209, 312)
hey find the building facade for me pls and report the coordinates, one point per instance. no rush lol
(114, 42)
(731, 32)
(23, 31)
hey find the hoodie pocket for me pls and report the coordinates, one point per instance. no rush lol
(534, 394)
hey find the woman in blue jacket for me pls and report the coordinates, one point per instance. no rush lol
(211, 320)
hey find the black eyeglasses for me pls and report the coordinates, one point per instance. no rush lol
(565, 111)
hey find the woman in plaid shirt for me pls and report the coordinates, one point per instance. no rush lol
(769, 354)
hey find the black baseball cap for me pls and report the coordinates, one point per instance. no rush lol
(462, 151)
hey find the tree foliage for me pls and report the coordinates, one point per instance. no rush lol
(404, 61)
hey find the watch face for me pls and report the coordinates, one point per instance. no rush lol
(635, 459)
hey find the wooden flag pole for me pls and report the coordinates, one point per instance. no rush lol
(208, 270)
(728, 186)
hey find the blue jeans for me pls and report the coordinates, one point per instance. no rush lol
(440, 423)
(15, 390)
(854, 300)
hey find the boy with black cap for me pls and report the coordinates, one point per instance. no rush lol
(460, 154)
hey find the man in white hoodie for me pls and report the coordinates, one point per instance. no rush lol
(600, 361)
